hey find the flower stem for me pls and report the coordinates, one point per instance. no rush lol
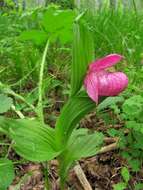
(40, 86)
(62, 171)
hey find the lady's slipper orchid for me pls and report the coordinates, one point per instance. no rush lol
(99, 82)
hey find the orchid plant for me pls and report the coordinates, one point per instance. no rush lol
(36, 141)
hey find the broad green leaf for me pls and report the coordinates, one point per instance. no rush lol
(32, 141)
(74, 110)
(5, 103)
(82, 145)
(55, 19)
(120, 186)
(83, 54)
(109, 101)
(125, 174)
(139, 186)
(6, 173)
(58, 24)
(36, 36)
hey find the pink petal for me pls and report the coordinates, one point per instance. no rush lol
(91, 86)
(105, 62)
(111, 84)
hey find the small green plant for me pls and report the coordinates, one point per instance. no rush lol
(130, 136)
(57, 28)
(132, 111)
(126, 177)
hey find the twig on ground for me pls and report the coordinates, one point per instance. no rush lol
(19, 113)
(82, 178)
(109, 140)
(108, 148)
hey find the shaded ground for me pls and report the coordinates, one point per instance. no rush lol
(102, 171)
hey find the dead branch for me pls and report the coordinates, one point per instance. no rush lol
(82, 178)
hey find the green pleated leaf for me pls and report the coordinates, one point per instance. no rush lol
(58, 24)
(6, 173)
(83, 54)
(80, 145)
(84, 145)
(5, 103)
(74, 110)
(32, 141)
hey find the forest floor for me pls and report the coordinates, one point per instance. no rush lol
(101, 171)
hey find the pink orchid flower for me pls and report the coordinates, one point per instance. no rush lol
(99, 82)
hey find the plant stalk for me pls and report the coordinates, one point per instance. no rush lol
(46, 175)
(40, 86)
(135, 7)
(62, 171)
